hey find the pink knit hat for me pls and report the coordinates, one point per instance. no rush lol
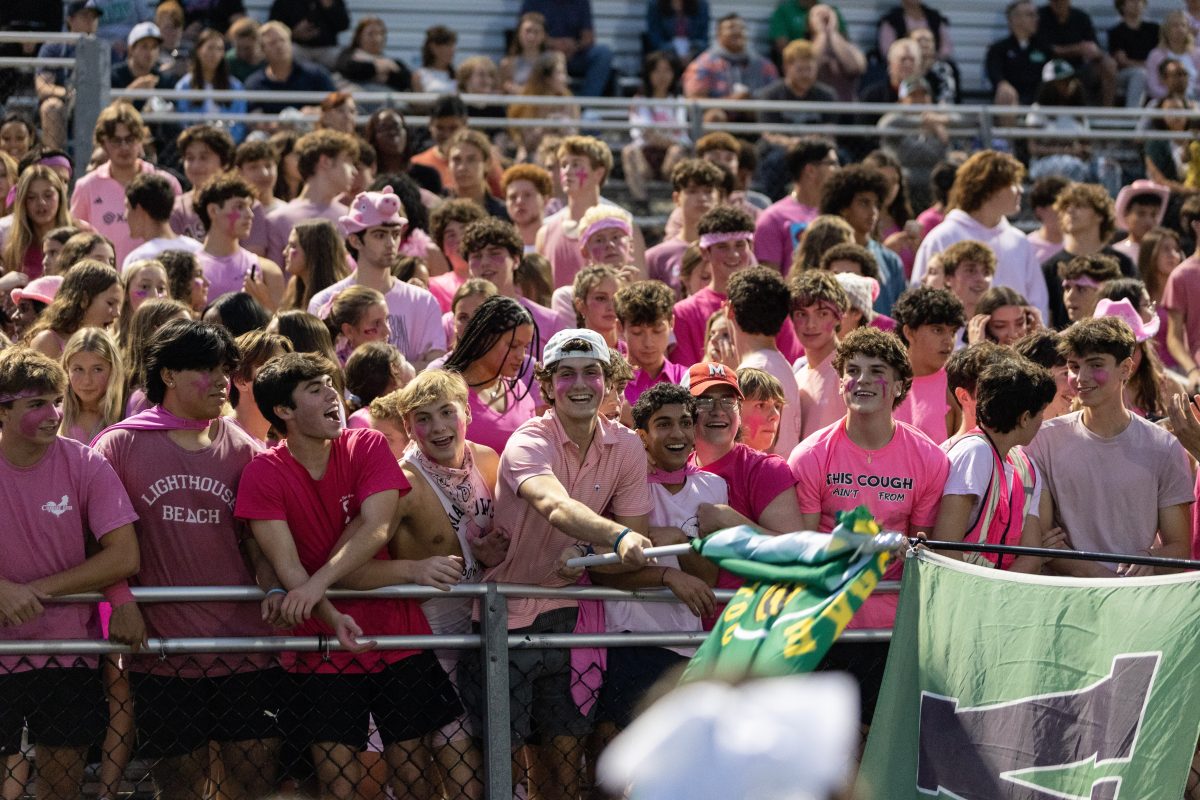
(372, 209)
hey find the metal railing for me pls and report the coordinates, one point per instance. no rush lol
(493, 641)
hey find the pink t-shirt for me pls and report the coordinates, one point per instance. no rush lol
(883, 323)
(561, 246)
(691, 318)
(443, 287)
(544, 319)
(1182, 294)
(50, 509)
(1108, 491)
(99, 200)
(281, 220)
(359, 419)
(610, 479)
(926, 405)
(186, 222)
(778, 230)
(189, 537)
(670, 373)
(821, 402)
(226, 273)
(1043, 250)
(414, 316)
(663, 262)
(277, 487)
(900, 483)
(493, 428)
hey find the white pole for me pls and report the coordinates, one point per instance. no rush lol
(613, 558)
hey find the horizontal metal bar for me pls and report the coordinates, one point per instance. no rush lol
(312, 644)
(39, 36)
(1070, 555)
(36, 63)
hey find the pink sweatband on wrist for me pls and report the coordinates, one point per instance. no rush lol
(604, 224)
(709, 239)
(118, 594)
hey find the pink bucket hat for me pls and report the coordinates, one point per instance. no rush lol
(371, 209)
(1141, 187)
(1123, 310)
(41, 289)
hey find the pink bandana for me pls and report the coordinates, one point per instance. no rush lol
(709, 239)
(659, 476)
(156, 419)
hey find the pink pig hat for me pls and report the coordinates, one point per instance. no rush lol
(372, 209)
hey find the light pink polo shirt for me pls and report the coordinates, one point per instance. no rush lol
(99, 200)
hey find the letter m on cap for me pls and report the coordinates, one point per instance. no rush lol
(717, 370)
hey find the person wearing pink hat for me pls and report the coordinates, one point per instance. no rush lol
(31, 300)
(1141, 207)
(1146, 481)
(374, 231)
(1151, 387)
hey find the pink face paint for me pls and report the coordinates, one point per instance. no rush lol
(581, 175)
(1073, 381)
(38, 417)
(140, 293)
(849, 384)
(1100, 377)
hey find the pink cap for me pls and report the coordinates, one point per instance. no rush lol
(41, 289)
(372, 209)
(1123, 310)
(1142, 187)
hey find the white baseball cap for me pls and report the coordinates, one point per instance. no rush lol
(143, 30)
(583, 343)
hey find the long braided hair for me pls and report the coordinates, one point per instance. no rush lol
(495, 317)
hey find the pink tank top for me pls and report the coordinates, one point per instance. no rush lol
(226, 273)
(562, 248)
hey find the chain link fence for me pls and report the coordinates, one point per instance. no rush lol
(474, 715)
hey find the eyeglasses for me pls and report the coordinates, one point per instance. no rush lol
(123, 141)
(707, 404)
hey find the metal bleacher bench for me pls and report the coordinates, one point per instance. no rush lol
(481, 26)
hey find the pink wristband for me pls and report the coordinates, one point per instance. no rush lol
(118, 594)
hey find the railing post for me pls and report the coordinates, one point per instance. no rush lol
(497, 740)
(985, 127)
(92, 80)
(695, 121)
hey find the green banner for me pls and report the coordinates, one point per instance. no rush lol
(801, 591)
(1024, 687)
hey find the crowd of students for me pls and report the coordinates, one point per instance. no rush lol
(297, 375)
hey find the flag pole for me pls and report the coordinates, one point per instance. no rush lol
(1050, 552)
(600, 559)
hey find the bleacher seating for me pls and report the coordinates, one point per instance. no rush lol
(619, 23)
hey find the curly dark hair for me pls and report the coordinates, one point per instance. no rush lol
(760, 300)
(219, 189)
(725, 219)
(491, 231)
(657, 396)
(644, 303)
(1041, 347)
(1103, 335)
(964, 367)
(461, 211)
(842, 186)
(874, 343)
(925, 305)
(1009, 388)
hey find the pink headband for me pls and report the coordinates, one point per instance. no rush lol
(709, 239)
(24, 394)
(837, 312)
(1082, 280)
(604, 223)
(55, 161)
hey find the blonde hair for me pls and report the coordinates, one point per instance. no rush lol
(127, 275)
(350, 304)
(21, 235)
(119, 112)
(587, 279)
(429, 387)
(100, 342)
(602, 211)
(759, 385)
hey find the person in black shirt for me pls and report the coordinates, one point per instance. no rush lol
(315, 25)
(1129, 42)
(1014, 64)
(1072, 37)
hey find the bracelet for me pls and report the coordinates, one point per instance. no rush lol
(620, 536)
(276, 589)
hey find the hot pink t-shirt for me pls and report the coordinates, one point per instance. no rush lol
(276, 486)
(642, 380)
(691, 317)
(1182, 294)
(900, 483)
(443, 287)
(821, 402)
(413, 315)
(778, 229)
(926, 405)
(493, 428)
(610, 479)
(189, 537)
(50, 509)
(99, 200)
(281, 220)
(883, 323)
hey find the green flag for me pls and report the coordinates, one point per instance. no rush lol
(801, 590)
(1024, 687)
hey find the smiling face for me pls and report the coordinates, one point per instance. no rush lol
(1097, 379)
(88, 374)
(15, 139)
(718, 418)
(726, 258)
(816, 326)
(760, 423)
(578, 387)
(104, 309)
(669, 437)
(869, 385)
(969, 281)
(148, 283)
(493, 263)
(198, 393)
(317, 411)
(1008, 324)
(440, 430)
(33, 421)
